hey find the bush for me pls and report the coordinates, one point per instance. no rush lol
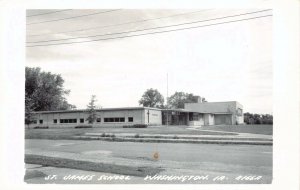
(136, 136)
(136, 126)
(108, 135)
(82, 126)
(250, 118)
(41, 127)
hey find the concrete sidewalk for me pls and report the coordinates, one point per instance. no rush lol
(242, 136)
(239, 138)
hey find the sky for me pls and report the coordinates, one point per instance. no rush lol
(226, 62)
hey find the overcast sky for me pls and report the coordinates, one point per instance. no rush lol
(228, 62)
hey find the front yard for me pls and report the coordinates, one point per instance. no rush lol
(66, 133)
(254, 129)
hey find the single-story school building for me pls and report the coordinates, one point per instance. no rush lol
(193, 114)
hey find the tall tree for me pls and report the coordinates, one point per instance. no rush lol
(29, 117)
(45, 90)
(178, 99)
(91, 108)
(152, 98)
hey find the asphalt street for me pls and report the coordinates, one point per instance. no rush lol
(232, 161)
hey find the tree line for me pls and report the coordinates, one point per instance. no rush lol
(153, 98)
(250, 118)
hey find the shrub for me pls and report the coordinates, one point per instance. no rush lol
(250, 118)
(140, 126)
(175, 137)
(136, 136)
(108, 135)
(41, 127)
(82, 126)
(136, 126)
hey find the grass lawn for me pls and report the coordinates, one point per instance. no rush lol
(255, 129)
(66, 133)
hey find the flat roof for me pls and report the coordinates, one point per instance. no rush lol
(126, 108)
(102, 109)
(217, 102)
(210, 102)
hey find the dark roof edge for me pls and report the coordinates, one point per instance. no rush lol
(103, 109)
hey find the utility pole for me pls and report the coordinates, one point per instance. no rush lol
(167, 100)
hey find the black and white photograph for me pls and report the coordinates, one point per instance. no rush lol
(149, 96)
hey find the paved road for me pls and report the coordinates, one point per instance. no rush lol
(177, 159)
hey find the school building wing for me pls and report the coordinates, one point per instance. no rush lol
(193, 114)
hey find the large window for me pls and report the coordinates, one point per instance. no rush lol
(130, 119)
(114, 119)
(194, 116)
(68, 120)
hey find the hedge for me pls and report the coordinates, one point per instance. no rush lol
(136, 126)
(83, 126)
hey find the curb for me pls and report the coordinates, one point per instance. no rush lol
(140, 171)
(161, 140)
(192, 137)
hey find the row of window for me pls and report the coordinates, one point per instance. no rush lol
(66, 121)
(114, 119)
(117, 119)
(98, 120)
(40, 121)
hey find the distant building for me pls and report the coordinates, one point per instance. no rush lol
(193, 114)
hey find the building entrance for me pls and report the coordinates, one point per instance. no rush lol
(170, 117)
